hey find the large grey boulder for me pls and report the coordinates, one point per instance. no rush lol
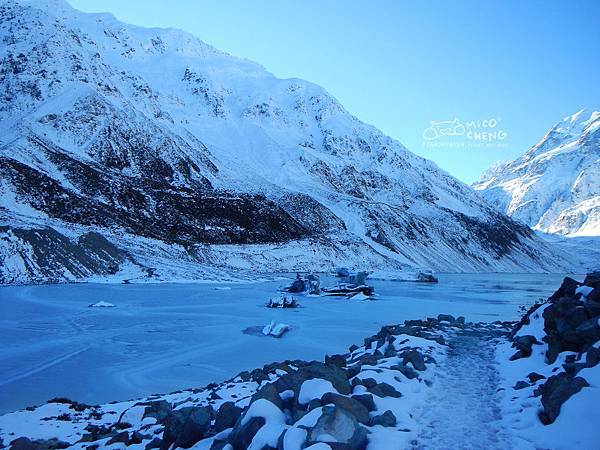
(159, 410)
(186, 426)
(524, 345)
(24, 443)
(387, 419)
(227, 416)
(557, 390)
(242, 435)
(349, 404)
(339, 429)
(384, 390)
(415, 358)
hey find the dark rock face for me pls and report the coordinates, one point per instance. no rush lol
(557, 390)
(523, 344)
(384, 390)
(366, 400)
(90, 255)
(24, 443)
(160, 410)
(227, 416)
(570, 324)
(186, 426)
(241, 436)
(387, 419)
(153, 208)
(353, 406)
(415, 358)
(534, 377)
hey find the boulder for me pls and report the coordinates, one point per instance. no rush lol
(415, 358)
(292, 438)
(592, 357)
(154, 443)
(592, 279)
(159, 410)
(589, 331)
(566, 289)
(122, 437)
(445, 318)
(337, 376)
(535, 377)
(557, 390)
(524, 344)
(24, 443)
(336, 360)
(368, 360)
(268, 392)
(242, 435)
(349, 404)
(339, 429)
(219, 444)
(387, 419)
(366, 400)
(186, 426)
(408, 372)
(227, 416)
(520, 385)
(384, 390)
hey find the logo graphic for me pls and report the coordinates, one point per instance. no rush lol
(472, 133)
(444, 128)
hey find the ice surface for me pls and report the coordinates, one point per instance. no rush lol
(165, 337)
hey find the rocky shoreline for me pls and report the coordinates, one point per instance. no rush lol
(550, 363)
(370, 395)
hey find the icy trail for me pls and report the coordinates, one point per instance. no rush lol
(463, 410)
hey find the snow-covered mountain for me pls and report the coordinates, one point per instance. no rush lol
(555, 186)
(146, 152)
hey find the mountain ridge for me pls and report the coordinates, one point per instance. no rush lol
(554, 187)
(191, 162)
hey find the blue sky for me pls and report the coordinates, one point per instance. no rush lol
(401, 64)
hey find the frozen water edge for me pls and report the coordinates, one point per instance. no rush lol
(165, 337)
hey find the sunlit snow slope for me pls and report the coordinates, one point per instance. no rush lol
(555, 186)
(146, 153)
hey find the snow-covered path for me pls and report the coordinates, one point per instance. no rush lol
(462, 410)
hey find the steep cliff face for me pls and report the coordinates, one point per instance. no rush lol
(555, 186)
(187, 159)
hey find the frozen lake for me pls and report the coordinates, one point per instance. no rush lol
(164, 337)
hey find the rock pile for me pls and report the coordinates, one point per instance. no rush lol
(571, 323)
(341, 403)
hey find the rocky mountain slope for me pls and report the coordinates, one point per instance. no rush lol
(555, 186)
(128, 152)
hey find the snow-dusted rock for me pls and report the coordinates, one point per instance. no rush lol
(552, 384)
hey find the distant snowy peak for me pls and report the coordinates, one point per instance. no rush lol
(555, 186)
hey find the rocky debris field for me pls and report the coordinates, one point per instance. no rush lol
(424, 384)
(550, 366)
(365, 397)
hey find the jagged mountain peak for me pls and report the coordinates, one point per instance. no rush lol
(555, 185)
